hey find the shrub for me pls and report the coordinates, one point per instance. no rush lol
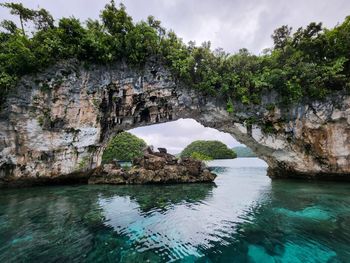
(123, 147)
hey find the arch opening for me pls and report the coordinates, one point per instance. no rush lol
(175, 136)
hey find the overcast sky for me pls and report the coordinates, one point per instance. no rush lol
(177, 134)
(230, 24)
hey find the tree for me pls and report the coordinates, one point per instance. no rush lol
(123, 147)
(116, 20)
(24, 13)
(281, 36)
(9, 26)
(98, 46)
(141, 42)
(43, 20)
(211, 149)
(156, 24)
(118, 24)
(71, 34)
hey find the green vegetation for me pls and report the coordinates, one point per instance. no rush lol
(309, 63)
(123, 147)
(83, 163)
(208, 149)
(242, 151)
(200, 156)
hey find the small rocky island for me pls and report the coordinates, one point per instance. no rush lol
(153, 168)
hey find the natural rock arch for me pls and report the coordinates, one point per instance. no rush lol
(57, 123)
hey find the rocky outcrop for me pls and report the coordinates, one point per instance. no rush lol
(57, 122)
(154, 168)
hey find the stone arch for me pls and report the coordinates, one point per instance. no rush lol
(61, 130)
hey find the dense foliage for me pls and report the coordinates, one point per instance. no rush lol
(200, 156)
(123, 147)
(310, 63)
(208, 149)
(242, 151)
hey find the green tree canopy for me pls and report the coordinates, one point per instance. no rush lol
(210, 149)
(307, 64)
(24, 14)
(123, 147)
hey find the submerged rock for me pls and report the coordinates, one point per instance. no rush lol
(154, 167)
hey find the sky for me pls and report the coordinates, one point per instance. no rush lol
(178, 134)
(229, 24)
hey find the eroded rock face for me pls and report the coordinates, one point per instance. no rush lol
(58, 122)
(156, 168)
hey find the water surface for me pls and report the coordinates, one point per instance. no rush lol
(243, 217)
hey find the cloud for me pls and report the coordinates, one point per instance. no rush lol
(178, 134)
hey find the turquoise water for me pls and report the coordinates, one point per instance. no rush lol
(243, 217)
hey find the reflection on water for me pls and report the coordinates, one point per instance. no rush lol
(243, 217)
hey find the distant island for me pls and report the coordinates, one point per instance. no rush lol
(243, 151)
(208, 150)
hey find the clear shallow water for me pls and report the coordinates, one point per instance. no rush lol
(243, 217)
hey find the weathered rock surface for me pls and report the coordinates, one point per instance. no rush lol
(58, 122)
(156, 168)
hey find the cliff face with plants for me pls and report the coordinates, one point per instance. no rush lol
(67, 88)
(57, 124)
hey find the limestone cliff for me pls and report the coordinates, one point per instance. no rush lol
(57, 123)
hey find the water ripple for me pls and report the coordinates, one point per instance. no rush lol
(243, 218)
